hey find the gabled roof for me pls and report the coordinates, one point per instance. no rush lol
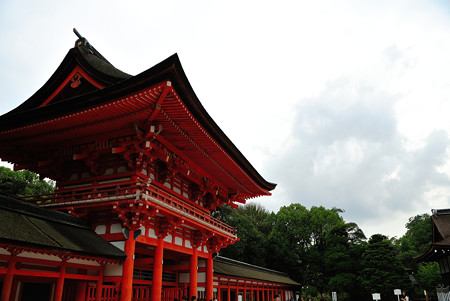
(30, 226)
(97, 73)
(112, 101)
(231, 267)
(440, 246)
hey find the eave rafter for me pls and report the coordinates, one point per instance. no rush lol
(186, 124)
(156, 107)
(63, 255)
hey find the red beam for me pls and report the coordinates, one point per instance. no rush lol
(178, 267)
(143, 261)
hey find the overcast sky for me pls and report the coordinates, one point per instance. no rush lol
(341, 103)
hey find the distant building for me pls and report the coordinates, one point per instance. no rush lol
(139, 165)
(439, 250)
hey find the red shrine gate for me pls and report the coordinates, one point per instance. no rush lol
(143, 162)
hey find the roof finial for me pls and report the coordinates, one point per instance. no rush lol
(77, 33)
(81, 40)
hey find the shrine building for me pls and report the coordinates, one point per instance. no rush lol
(139, 165)
(439, 250)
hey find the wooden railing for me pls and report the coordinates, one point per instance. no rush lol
(140, 293)
(87, 195)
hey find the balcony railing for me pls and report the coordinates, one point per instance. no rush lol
(101, 194)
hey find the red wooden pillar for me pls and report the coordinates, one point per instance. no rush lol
(209, 278)
(158, 270)
(7, 283)
(128, 266)
(244, 298)
(99, 289)
(219, 292)
(60, 283)
(193, 273)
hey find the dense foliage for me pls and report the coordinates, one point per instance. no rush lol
(316, 247)
(382, 271)
(22, 183)
(325, 254)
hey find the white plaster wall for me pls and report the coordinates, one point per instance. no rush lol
(100, 229)
(82, 261)
(168, 238)
(113, 270)
(178, 241)
(151, 233)
(39, 256)
(4, 252)
(116, 228)
(201, 263)
(201, 277)
(184, 278)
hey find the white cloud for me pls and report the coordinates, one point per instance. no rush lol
(341, 103)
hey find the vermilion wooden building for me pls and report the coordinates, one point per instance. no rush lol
(140, 159)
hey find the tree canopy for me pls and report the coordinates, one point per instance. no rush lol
(315, 246)
(324, 253)
(382, 271)
(23, 183)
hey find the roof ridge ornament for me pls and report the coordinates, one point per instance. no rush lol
(83, 42)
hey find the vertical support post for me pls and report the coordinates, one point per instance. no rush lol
(158, 270)
(60, 282)
(228, 291)
(244, 298)
(99, 288)
(193, 272)
(7, 283)
(128, 266)
(209, 278)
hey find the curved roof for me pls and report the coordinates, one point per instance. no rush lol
(440, 245)
(55, 103)
(88, 59)
(231, 267)
(28, 225)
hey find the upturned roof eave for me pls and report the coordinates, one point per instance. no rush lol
(169, 69)
(75, 57)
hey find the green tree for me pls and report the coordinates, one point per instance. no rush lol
(345, 245)
(382, 272)
(321, 221)
(289, 241)
(297, 243)
(419, 234)
(428, 276)
(23, 183)
(253, 226)
(416, 240)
